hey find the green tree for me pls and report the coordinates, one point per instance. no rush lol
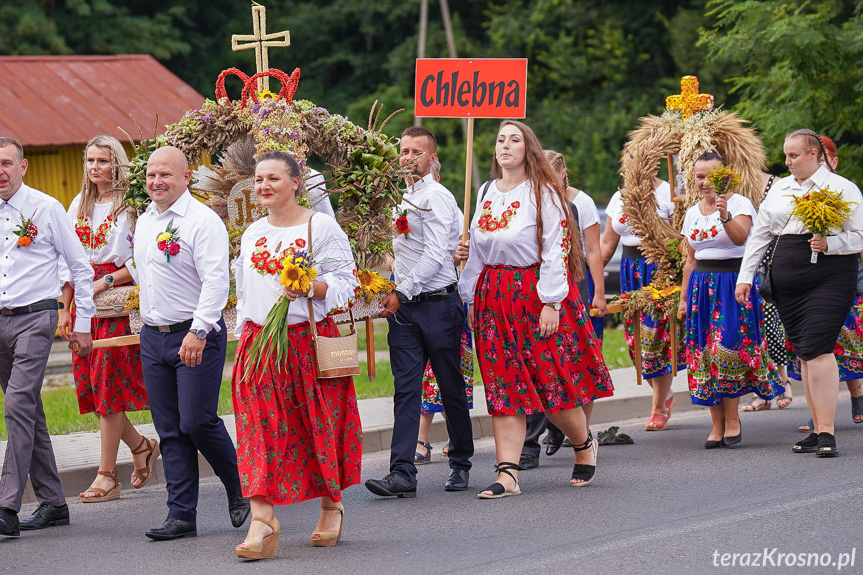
(798, 66)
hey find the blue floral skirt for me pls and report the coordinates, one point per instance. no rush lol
(848, 349)
(636, 273)
(525, 373)
(725, 355)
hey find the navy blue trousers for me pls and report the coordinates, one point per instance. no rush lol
(183, 403)
(420, 333)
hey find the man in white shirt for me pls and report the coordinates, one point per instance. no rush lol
(425, 318)
(181, 264)
(36, 236)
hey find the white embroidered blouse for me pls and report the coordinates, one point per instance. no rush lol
(503, 232)
(665, 207)
(104, 238)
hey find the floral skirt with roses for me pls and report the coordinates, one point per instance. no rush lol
(298, 437)
(635, 273)
(725, 353)
(524, 373)
(432, 402)
(848, 349)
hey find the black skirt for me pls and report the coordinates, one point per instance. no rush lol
(813, 300)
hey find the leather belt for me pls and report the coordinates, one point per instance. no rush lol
(173, 328)
(42, 305)
(718, 266)
(632, 252)
(436, 295)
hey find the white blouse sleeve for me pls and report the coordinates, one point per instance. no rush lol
(334, 261)
(553, 284)
(757, 242)
(238, 269)
(470, 274)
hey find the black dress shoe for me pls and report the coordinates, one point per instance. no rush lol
(553, 441)
(238, 509)
(528, 461)
(733, 441)
(173, 529)
(46, 515)
(714, 444)
(9, 526)
(457, 480)
(393, 485)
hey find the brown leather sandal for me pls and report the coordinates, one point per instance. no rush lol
(329, 538)
(99, 494)
(265, 549)
(144, 473)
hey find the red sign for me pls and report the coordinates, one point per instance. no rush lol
(471, 88)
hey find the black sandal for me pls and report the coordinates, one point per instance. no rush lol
(827, 445)
(419, 458)
(856, 408)
(580, 471)
(497, 489)
(808, 445)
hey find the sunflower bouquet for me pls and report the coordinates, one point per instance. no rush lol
(298, 271)
(821, 211)
(723, 178)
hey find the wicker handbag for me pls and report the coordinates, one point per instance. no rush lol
(112, 302)
(334, 356)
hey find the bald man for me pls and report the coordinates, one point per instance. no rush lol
(184, 287)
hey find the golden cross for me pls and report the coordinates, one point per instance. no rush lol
(689, 101)
(261, 42)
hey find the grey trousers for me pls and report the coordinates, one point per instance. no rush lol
(25, 343)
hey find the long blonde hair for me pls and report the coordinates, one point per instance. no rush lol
(542, 177)
(119, 165)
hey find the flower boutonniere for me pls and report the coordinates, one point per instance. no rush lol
(26, 231)
(168, 241)
(402, 226)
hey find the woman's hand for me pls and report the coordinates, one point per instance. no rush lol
(470, 317)
(549, 319)
(722, 206)
(65, 324)
(741, 294)
(818, 244)
(599, 304)
(99, 286)
(388, 262)
(681, 309)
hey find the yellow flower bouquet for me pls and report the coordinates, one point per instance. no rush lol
(723, 178)
(297, 275)
(821, 211)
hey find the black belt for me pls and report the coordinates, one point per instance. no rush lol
(632, 252)
(173, 328)
(718, 266)
(436, 295)
(42, 305)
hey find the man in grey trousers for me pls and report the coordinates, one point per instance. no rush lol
(36, 235)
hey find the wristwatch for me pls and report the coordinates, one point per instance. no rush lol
(311, 290)
(109, 281)
(728, 219)
(402, 297)
(555, 305)
(199, 333)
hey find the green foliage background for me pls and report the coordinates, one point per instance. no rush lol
(594, 67)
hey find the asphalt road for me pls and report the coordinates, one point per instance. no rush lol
(663, 505)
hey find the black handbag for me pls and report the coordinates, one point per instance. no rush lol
(766, 281)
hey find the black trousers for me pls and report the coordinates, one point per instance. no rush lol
(183, 403)
(420, 333)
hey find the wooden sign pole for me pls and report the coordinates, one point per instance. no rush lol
(467, 183)
(370, 349)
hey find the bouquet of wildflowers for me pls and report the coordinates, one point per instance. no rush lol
(297, 274)
(821, 211)
(723, 178)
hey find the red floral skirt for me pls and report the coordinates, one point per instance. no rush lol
(109, 380)
(298, 437)
(524, 373)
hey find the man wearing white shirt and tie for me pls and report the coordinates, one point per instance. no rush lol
(425, 317)
(181, 264)
(36, 236)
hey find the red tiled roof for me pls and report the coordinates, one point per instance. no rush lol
(66, 100)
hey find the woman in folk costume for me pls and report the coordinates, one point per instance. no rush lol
(725, 356)
(109, 381)
(299, 436)
(535, 348)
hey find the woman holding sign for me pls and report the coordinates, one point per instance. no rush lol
(725, 356)
(534, 347)
(813, 299)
